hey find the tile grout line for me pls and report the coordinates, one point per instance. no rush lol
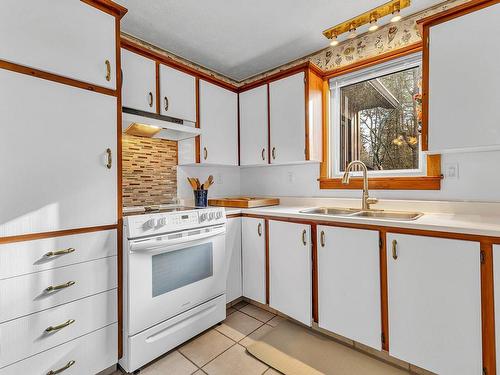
(218, 355)
(197, 367)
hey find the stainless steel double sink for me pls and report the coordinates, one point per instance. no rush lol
(353, 212)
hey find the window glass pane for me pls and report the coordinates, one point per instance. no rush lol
(179, 268)
(379, 123)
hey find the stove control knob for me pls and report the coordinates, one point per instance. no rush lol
(162, 221)
(203, 217)
(150, 224)
(211, 215)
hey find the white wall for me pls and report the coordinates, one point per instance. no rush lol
(478, 180)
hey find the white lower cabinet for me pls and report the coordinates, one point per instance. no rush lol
(349, 283)
(233, 259)
(435, 303)
(254, 258)
(290, 289)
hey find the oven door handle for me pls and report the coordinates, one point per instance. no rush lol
(154, 244)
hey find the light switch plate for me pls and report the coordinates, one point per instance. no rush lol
(451, 171)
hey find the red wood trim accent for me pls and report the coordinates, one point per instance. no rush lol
(307, 83)
(325, 132)
(108, 6)
(55, 78)
(266, 226)
(131, 46)
(385, 183)
(239, 143)
(57, 233)
(314, 259)
(279, 75)
(268, 125)
(366, 63)
(384, 291)
(388, 229)
(488, 309)
(197, 139)
(230, 216)
(158, 102)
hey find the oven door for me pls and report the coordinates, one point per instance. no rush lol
(172, 273)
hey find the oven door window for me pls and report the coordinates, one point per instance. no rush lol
(175, 269)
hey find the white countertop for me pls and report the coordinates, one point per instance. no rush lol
(482, 225)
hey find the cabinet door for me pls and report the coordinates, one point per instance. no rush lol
(349, 283)
(435, 303)
(254, 258)
(287, 107)
(67, 38)
(253, 126)
(290, 270)
(139, 82)
(54, 175)
(219, 125)
(463, 84)
(177, 94)
(233, 259)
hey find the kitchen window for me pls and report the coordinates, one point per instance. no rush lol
(375, 117)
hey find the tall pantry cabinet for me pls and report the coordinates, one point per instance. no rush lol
(59, 197)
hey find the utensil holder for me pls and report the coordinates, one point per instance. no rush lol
(200, 198)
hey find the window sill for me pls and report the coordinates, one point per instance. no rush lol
(385, 183)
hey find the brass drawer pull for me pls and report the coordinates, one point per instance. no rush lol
(60, 326)
(150, 95)
(64, 368)
(205, 153)
(274, 152)
(108, 70)
(304, 239)
(110, 158)
(263, 154)
(322, 238)
(166, 103)
(60, 286)
(394, 249)
(259, 229)
(59, 252)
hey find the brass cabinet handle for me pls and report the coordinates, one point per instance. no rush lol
(304, 239)
(110, 158)
(394, 249)
(322, 238)
(60, 326)
(166, 103)
(263, 154)
(205, 153)
(273, 152)
(60, 286)
(259, 229)
(108, 70)
(59, 252)
(150, 95)
(64, 368)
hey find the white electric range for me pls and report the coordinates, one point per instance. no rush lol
(174, 279)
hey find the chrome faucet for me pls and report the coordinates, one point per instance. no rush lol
(367, 201)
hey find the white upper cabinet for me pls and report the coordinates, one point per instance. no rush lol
(219, 125)
(254, 126)
(290, 289)
(55, 156)
(67, 38)
(287, 116)
(349, 284)
(254, 258)
(233, 259)
(435, 303)
(177, 94)
(464, 81)
(139, 82)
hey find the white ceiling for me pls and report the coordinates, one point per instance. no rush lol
(241, 38)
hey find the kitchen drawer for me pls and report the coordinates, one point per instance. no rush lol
(91, 353)
(26, 294)
(21, 258)
(24, 337)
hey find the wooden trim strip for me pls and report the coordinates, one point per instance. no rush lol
(197, 139)
(385, 183)
(57, 233)
(314, 259)
(387, 229)
(384, 291)
(56, 78)
(165, 60)
(488, 309)
(307, 83)
(230, 216)
(268, 124)
(108, 6)
(279, 75)
(266, 227)
(157, 90)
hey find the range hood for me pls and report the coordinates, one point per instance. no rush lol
(152, 125)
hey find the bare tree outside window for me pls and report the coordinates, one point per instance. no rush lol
(379, 123)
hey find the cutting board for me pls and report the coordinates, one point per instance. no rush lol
(244, 202)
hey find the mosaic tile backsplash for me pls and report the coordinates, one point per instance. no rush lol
(149, 171)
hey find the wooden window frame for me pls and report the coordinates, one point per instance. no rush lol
(432, 179)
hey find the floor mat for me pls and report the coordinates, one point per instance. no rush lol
(295, 350)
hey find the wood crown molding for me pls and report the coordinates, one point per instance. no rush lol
(108, 6)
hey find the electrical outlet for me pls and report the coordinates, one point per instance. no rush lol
(219, 179)
(451, 171)
(291, 177)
